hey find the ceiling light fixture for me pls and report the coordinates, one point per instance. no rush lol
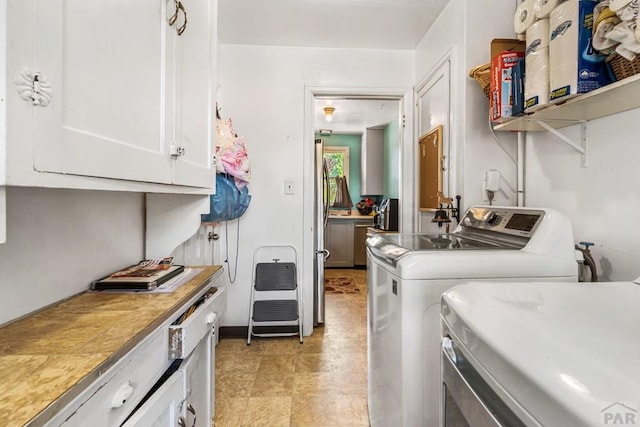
(328, 113)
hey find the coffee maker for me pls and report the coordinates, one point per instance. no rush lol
(388, 215)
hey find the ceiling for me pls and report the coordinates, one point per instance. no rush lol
(371, 24)
(354, 115)
(366, 24)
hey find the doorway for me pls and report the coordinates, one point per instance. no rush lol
(351, 114)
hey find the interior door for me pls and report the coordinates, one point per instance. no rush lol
(434, 110)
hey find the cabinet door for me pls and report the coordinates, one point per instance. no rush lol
(109, 65)
(164, 408)
(197, 371)
(339, 241)
(195, 95)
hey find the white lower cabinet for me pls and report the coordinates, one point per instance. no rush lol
(164, 408)
(184, 398)
(166, 380)
(339, 241)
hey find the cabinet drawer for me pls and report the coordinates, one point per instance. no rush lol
(119, 395)
(189, 329)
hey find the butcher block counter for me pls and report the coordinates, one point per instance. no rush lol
(49, 358)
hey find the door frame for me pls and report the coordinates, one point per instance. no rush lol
(407, 169)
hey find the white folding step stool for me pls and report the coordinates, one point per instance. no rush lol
(275, 294)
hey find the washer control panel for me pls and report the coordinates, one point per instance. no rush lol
(513, 221)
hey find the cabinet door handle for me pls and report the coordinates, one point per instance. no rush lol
(174, 17)
(181, 422)
(191, 409)
(182, 27)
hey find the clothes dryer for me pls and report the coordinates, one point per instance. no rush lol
(541, 354)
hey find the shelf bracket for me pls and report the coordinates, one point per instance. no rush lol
(581, 147)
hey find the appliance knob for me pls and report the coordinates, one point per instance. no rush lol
(492, 217)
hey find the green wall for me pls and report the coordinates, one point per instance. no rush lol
(354, 143)
(391, 159)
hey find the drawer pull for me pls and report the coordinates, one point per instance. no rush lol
(211, 317)
(122, 394)
(181, 422)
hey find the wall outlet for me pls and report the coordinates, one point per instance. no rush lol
(492, 178)
(288, 187)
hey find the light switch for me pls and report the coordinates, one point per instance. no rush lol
(288, 187)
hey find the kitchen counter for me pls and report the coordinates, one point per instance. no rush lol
(354, 215)
(49, 357)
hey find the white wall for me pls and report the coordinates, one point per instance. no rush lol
(263, 91)
(603, 199)
(464, 31)
(58, 241)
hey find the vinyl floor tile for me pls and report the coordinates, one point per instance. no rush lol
(268, 412)
(280, 382)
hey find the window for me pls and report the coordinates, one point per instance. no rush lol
(337, 159)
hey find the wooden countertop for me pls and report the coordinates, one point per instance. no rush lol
(49, 353)
(354, 215)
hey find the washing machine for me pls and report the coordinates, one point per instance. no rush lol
(541, 354)
(408, 273)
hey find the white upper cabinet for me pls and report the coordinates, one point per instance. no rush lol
(120, 94)
(195, 94)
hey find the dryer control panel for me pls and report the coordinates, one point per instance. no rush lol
(512, 221)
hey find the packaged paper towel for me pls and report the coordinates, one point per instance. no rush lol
(574, 66)
(536, 88)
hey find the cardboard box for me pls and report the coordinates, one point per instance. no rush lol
(505, 53)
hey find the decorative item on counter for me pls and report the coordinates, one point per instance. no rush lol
(343, 198)
(446, 204)
(365, 206)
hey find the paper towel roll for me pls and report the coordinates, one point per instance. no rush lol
(542, 8)
(538, 36)
(524, 17)
(536, 85)
(574, 66)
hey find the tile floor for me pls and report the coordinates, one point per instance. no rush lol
(280, 382)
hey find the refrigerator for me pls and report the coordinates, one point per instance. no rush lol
(321, 214)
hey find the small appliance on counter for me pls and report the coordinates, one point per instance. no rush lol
(388, 215)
